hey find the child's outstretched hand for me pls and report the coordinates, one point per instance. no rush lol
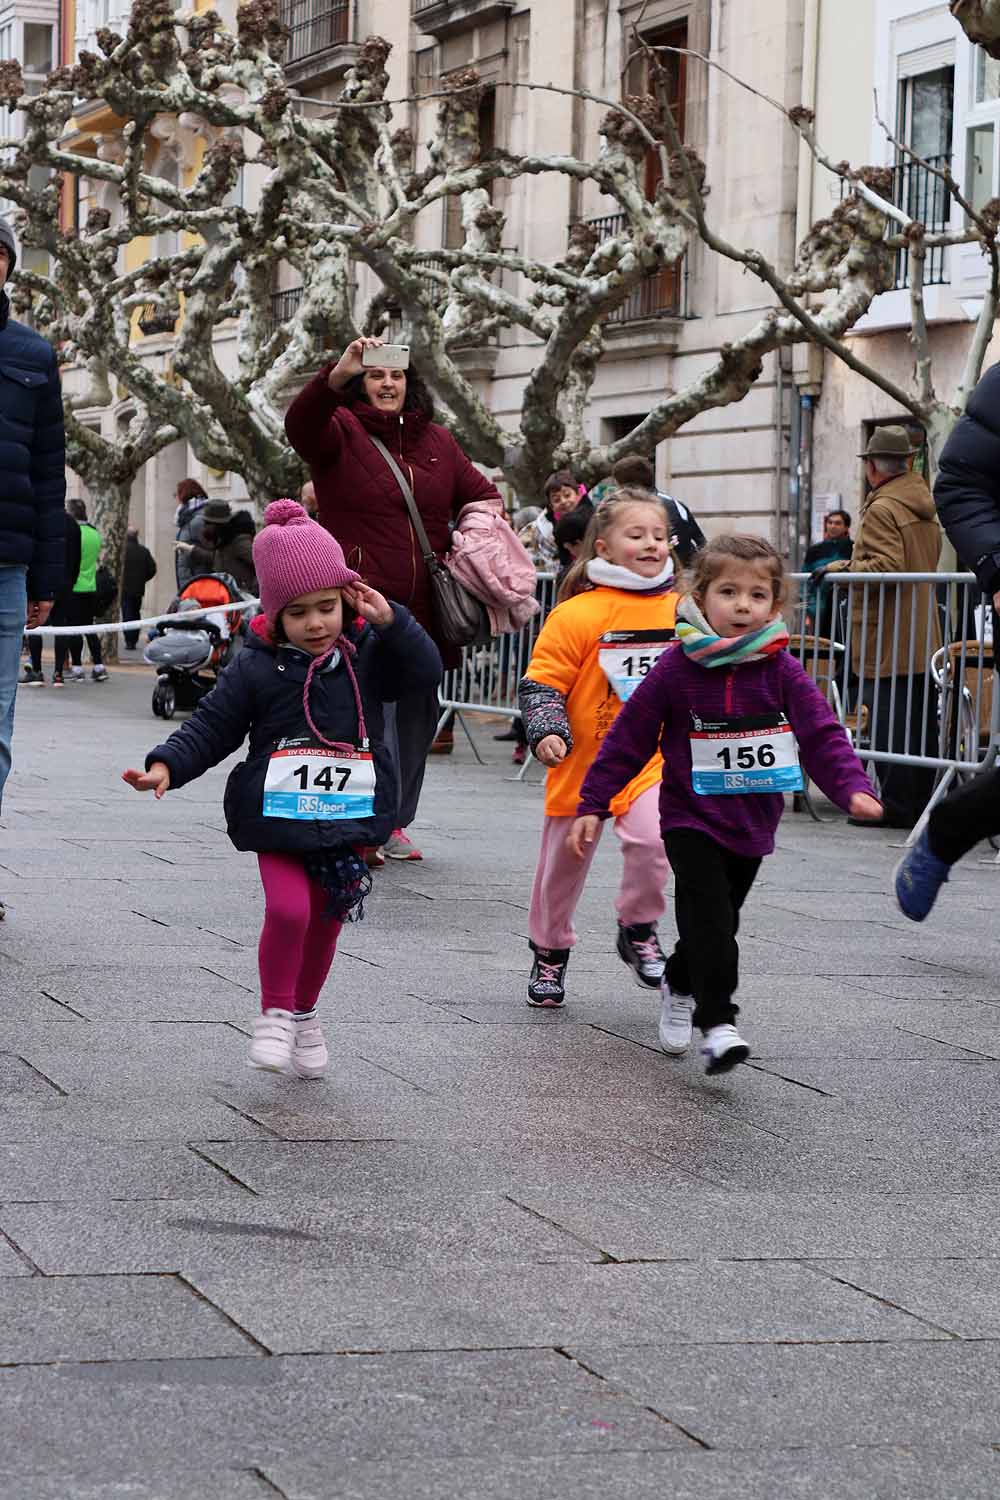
(582, 835)
(551, 750)
(863, 806)
(368, 603)
(156, 779)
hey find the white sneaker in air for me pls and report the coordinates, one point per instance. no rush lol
(675, 1022)
(723, 1048)
(309, 1053)
(273, 1039)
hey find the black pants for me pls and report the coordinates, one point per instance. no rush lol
(409, 730)
(80, 610)
(710, 886)
(906, 790)
(972, 813)
(131, 610)
(56, 617)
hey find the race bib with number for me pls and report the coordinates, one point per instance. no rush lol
(733, 756)
(627, 656)
(311, 782)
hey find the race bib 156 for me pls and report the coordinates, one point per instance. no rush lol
(734, 756)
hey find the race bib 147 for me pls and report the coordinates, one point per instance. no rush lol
(312, 784)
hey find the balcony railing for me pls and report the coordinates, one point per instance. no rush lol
(153, 319)
(284, 305)
(662, 294)
(924, 197)
(921, 194)
(314, 26)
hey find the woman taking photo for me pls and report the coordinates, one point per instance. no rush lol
(331, 424)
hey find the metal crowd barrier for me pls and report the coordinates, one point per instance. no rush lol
(906, 661)
(921, 693)
(485, 681)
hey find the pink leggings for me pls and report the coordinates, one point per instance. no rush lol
(297, 942)
(560, 876)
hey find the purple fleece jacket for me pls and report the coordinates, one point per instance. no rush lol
(660, 711)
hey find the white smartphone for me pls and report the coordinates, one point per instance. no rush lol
(387, 357)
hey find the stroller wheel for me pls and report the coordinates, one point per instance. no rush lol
(164, 700)
(156, 702)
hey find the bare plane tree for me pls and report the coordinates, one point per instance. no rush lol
(343, 191)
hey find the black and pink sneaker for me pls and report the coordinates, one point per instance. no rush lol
(546, 983)
(639, 947)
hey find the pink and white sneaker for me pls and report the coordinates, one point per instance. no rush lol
(309, 1054)
(400, 846)
(273, 1039)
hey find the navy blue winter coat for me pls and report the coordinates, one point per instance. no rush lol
(260, 694)
(967, 489)
(32, 457)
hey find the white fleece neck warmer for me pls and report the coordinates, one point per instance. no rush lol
(612, 576)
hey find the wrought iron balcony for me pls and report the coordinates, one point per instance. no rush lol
(318, 32)
(924, 197)
(284, 305)
(445, 17)
(662, 294)
(152, 319)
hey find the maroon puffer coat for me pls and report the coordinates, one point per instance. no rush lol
(360, 501)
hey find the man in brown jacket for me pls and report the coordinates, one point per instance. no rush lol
(894, 639)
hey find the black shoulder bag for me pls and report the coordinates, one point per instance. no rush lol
(461, 618)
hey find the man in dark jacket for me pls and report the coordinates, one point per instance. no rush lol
(226, 544)
(140, 567)
(686, 536)
(32, 492)
(967, 495)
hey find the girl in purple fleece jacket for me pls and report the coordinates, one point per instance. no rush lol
(732, 713)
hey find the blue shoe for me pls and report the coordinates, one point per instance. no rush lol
(919, 877)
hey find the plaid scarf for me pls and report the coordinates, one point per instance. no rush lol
(702, 645)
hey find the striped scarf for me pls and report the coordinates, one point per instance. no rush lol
(702, 645)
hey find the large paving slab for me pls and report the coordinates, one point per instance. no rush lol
(891, 1473)
(496, 1252)
(539, 1305)
(55, 1319)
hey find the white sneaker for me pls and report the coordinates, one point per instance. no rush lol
(723, 1048)
(309, 1054)
(273, 1038)
(675, 1022)
(76, 674)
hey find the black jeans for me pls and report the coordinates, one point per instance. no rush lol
(710, 886)
(131, 610)
(80, 610)
(972, 813)
(906, 790)
(409, 731)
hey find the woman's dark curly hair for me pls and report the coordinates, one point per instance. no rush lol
(418, 398)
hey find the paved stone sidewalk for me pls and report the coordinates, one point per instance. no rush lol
(497, 1253)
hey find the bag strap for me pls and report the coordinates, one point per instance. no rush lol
(428, 552)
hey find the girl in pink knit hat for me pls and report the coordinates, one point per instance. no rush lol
(318, 783)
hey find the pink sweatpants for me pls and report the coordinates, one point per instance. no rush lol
(560, 876)
(297, 942)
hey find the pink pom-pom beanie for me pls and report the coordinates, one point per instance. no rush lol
(294, 555)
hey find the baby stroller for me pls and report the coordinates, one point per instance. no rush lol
(189, 654)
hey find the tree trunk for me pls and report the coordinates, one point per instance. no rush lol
(110, 506)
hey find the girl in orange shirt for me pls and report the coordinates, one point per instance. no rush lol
(615, 616)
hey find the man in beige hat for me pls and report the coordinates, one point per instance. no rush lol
(898, 533)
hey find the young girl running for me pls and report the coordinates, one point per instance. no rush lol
(731, 710)
(318, 783)
(615, 616)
